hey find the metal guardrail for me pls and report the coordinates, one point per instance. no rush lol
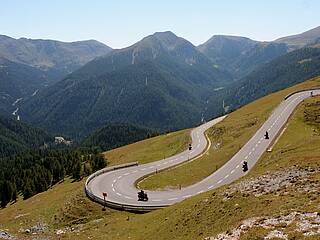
(110, 204)
(310, 89)
(109, 169)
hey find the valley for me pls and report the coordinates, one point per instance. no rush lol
(159, 120)
(74, 213)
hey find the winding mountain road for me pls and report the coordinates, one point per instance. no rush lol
(120, 184)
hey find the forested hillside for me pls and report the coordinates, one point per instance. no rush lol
(165, 83)
(28, 65)
(30, 164)
(161, 82)
(285, 71)
(33, 172)
(18, 81)
(240, 55)
(16, 137)
(117, 135)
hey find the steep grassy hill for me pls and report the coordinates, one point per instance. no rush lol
(281, 189)
(151, 149)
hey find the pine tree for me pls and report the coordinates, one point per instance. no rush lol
(76, 173)
(14, 192)
(87, 169)
(98, 162)
(28, 191)
(6, 193)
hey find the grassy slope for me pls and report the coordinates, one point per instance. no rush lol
(195, 218)
(150, 149)
(299, 145)
(227, 138)
(56, 206)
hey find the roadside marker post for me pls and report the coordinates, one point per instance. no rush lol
(104, 199)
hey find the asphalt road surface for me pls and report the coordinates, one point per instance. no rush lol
(120, 184)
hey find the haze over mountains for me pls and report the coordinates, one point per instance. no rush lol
(300, 40)
(162, 82)
(51, 55)
(28, 65)
(240, 55)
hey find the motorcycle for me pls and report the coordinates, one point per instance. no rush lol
(266, 136)
(142, 196)
(245, 166)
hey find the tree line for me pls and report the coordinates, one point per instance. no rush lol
(117, 135)
(36, 171)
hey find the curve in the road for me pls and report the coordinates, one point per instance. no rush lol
(120, 184)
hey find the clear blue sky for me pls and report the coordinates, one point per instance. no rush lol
(119, 23)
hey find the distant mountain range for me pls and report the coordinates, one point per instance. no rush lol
(240, 55)
(57, 58)
(16, 82)
(310, 37)
(288, 70)
(27, 65)
(162, 82)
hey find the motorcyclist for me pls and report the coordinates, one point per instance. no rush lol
(245, 166)
(142, 196)
(266, 136)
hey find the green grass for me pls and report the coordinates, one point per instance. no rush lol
(65, 204)
(151, 149)
(42, 207)
(207, 214)
(227, 138)
(195, 218)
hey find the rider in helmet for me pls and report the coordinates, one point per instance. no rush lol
(245, 166)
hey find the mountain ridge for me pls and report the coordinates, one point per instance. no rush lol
(240, 55)
(29, 65)
(44, 47)
(301, 39)
(160, 82)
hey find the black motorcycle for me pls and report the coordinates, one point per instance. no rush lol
(142, 196)
(245, 166)
(266, 136)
